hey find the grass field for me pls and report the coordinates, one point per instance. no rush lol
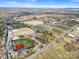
(27, 42)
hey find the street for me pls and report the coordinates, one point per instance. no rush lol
(9, 42)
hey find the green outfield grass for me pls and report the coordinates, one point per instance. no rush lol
(28, 43)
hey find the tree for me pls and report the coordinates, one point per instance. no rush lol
(2, 28)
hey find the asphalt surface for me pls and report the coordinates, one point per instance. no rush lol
(9, 42)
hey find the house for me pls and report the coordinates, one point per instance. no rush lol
(71, 35)
(77, 28)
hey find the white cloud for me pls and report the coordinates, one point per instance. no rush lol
(37, 6)
(33, 4)
(14, 2)
(18, 4)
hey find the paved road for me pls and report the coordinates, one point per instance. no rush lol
(36, 40)
(9, 42)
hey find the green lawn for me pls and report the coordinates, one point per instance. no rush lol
(28, 43)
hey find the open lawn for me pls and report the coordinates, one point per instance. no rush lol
(26, 42)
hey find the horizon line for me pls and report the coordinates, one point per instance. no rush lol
(35, 7)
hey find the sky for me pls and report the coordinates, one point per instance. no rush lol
(40, 3)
